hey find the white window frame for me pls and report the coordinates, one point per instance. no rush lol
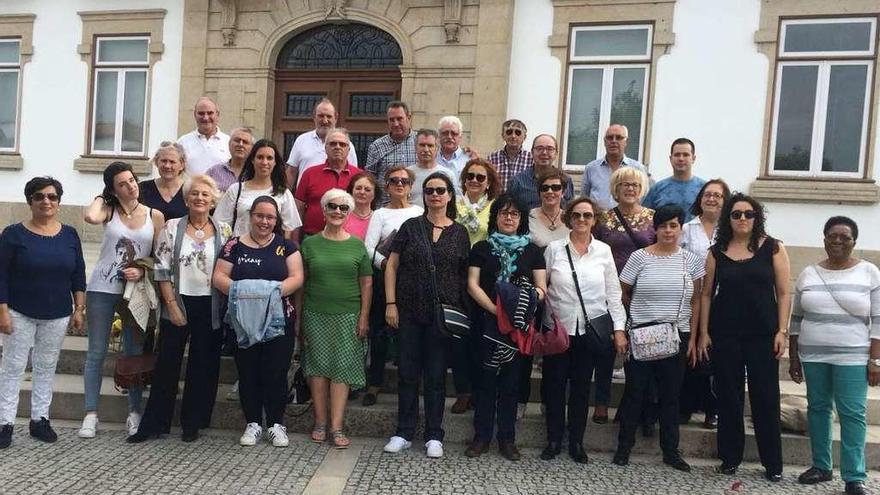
(122, 69)
(783, 28)
(612, 58)
(14, 67)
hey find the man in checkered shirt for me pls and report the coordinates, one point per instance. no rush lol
(398, 147)
(512, 158)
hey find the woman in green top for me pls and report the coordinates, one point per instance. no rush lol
(335, 310)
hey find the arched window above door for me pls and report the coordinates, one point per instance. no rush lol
(341, 46)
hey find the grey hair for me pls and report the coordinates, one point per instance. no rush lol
(201, 179)
(337, 194)
(206, 98)
(342, 130)
(625, 129)
(451, 119)
(167, 146)
(242, 128)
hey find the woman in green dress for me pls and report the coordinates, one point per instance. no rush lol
(334, 316)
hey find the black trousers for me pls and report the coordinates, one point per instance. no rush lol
(497, 393)
(464, 361)
(422, 357)
(262, 379)
(379, 334)
(697, 392)
(731, 356)
(202, 370)
(665, 374)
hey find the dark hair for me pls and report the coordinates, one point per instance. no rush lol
(566, 214)
(279, 177)
(492, 176)
(427, 132)
(278, 220)
(551, 136)
(841, 220)
(397, 104)
(725, 231)
(666, 213)
(38, 183)
(398, 168)
(451, 210)
(696, 208)
(504, 202)
(514, 122)
(372, 180)
(553, 173)
(110, 173)
(683, 140)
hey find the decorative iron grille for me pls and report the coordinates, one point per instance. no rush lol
(341, 46)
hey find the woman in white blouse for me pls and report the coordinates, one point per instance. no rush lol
(595, 293)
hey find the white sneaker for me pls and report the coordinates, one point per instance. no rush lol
(278, 435)
(233, 393)
(434, 449)
(89, 427)
(133, 422)
(521, 410)
(251, 435)
(396, 444)
(618, 374)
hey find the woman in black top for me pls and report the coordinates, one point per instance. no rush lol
(743, 324)
(506, 256)
(421, 344)
(165, 193)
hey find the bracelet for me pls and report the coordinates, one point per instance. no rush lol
(390, 303)
(171, 301)
(79, 307)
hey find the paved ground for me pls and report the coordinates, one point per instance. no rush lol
(216, 464)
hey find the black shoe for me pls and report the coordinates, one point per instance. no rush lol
(648, 430)
(725, 469)
(577, 454)
(814, 475)
(711, 422)
(774, 477)
(855, 488)
(41, 430)
(600, 420)
(369, 399)
(140, 436)
(5, 436)
(354, 394)
(509, 451)
(676, 462)
(551, 451)
(189, 436)
(476, 448)
(684, 418)
(621, 458)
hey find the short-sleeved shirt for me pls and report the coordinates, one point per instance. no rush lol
(312, 186)
(662, 286)
(482, 257)
(265, 263)
(524, 187)
(150, 197)
(223, 175)
(610, 231)
(508, 167)
(385, 153)
(308, 150)
(333, 269)
(423, 173)
(597, 180)
(203, 152)
(676, 192)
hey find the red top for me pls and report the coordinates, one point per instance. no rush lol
(313, 184)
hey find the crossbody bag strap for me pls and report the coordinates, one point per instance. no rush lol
(235, 205)
(577, 289)
(629, 230)
(683, 287)
(828, 287)
(431, 267)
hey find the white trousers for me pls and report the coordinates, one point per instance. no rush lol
(45, 336)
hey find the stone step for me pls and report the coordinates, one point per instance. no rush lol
(379, 421)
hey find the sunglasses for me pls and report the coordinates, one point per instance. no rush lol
(439, 191)
(511, 132)
(551, 187)
(587, 215)
(333, 206)
(477, 177)
(738, 214)
(398, 181)
(38, 197)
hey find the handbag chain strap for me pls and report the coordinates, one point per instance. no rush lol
(629, 230)
(577, 289)
(831, 293)
(683, 286)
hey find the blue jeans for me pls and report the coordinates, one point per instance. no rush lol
(99, 317)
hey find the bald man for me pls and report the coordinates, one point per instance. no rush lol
(207, 145)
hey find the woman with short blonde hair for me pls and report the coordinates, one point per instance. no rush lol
(165, 193)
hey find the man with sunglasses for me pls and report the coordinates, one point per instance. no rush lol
(426, 151)
(512, 159)
(683, 187)
(334, 173)
(398, 147)
(524, 186)
(597, 174)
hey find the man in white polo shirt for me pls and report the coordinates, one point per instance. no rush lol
(308, 149)
(207, 145)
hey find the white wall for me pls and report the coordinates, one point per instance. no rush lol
(55, 93)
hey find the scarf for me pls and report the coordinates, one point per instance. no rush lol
(507, 248)
(469, 218)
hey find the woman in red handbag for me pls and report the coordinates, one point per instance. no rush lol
(507, 256)
(584, 293)
(661, 285)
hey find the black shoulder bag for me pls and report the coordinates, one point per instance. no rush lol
(600, 336)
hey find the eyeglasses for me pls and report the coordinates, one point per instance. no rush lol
(544, 149)
(333, 206)
(551, 187)
(738, 214)
(39, 197)
(510, 132)
(449, 133)
(477, 177)
(398, 181)
(629, 185)
(838, 238)
(509, 213)
(713, 195)
(585, 216)
(615, 137)
(439, 191)
(264, 217)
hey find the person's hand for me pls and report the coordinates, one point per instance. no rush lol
(176, 315)
(620, 342)
(77, 322)
(383, 263)
(363, 326)
(133, 274)
(391, 316)
(692, 352)
(704, 344)
(795, 371)
(780, 342)
(873, 375)
(471, 152)
(5, 322)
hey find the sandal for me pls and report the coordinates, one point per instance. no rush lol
(319, 433)
(340, 441)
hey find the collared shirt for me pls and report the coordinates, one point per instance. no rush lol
(694, 239)
(524, 187)
(203, 152)
(385, 153)
(508, 167)
(456, 163)
(673, 191)
(597, 280)
(597, 180)
(223, 175)
(308, 150)
(315, 182)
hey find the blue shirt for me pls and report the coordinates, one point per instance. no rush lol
(597, 180)
(456, 163)
(672, 191)
(39, 273)
(524, 188)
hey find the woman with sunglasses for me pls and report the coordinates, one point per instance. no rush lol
(431, 241)
(42, 293)
(384, 225)
(480, 184)
(334, 319)
(743, 327)
(545, 221)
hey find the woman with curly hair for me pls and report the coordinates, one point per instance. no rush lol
(744, 325)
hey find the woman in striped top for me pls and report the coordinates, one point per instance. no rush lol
(835, 345)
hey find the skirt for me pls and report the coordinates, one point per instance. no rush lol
(333, 349)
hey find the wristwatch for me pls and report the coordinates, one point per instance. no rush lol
(875, 362)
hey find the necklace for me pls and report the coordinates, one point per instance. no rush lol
(261, 245)
(363, 217)
(553, 220)
(128, 214)
(199, 231)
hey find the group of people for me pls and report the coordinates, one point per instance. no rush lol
(347, 262)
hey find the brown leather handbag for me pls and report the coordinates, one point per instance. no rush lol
(134, 371)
